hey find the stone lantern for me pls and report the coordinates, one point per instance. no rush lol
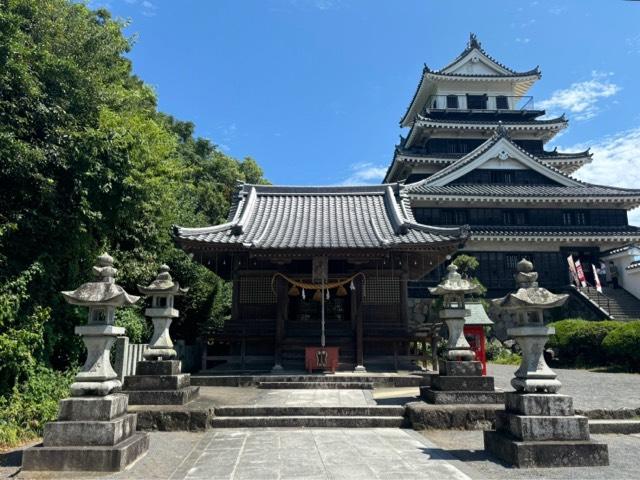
(527, 306)
(538, 427)
(158, 379)
(102, 297)
(162, 291)
(94, 432)
(452, 289)
(460, 377)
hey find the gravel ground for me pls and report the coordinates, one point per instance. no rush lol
(467, 447)
(590, 390)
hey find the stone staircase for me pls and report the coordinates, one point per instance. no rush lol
(309, 417)
(617, 303)
(314, 381)
(319, 383)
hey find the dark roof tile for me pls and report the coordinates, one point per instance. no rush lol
(283, 217)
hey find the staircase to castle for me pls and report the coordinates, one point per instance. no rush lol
(616, 303)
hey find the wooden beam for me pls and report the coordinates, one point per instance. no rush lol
(282, 306)
(359, 325)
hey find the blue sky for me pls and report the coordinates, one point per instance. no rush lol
(314, 89)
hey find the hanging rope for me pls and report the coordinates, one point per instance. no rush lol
(296, 285)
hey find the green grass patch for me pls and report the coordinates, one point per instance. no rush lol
(507, 358)
(31, 404)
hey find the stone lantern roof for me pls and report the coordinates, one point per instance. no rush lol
(453, 283)
(163, 284)
(529, 294)
(103, 291)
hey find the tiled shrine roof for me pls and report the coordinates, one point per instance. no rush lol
(355, 217)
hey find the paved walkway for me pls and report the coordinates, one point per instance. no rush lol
(314, 398)
(258, 454)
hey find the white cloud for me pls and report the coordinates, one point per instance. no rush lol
(615, 163)
(581, 98)
(365, 173)
(523, 40)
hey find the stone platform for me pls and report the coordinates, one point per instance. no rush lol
(542, 430)
(91, 434)
(160, 382)
(461, 382)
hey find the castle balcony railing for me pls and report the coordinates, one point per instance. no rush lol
(469, 102)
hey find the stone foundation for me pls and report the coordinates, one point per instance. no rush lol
(541, 430)
(91, 434)
(461, 382)
(159, 382)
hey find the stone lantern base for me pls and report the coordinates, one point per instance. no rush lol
(91, 434)
(461, 382)
(159, 382)
(541, 430)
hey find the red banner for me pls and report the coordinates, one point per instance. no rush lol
(581, 277)
(573, 271)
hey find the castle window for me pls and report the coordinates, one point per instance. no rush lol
(452, 101)
(502, 103)
(477, 102)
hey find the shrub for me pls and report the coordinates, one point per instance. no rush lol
(137, 328)
(579, 342)
(31, 404)
(622, 345)
(507, 357)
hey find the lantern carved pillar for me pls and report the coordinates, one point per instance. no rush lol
(538, 427)
(460, 378)
(94, 432)
(159, 379)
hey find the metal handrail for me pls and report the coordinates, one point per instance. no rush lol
(515, 102)
(602, 300)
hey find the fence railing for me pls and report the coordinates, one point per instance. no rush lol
(600, 299)
(127, 356)
(480, 102)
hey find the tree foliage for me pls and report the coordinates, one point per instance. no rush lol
(88, 164)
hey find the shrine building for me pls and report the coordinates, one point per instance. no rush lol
(292, 252)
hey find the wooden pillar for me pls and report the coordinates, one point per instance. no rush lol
(358, 294)
(243, 352)
(404, 293)
(434, 352)
(281, 315)
(395, 356)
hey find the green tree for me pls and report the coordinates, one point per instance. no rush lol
(87, 164)
(467, 265)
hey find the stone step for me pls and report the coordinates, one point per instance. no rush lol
(476, 384)
(286, 411)
(253, 380)
(354, 385)
(614, 426)
(78, 433)
(156, 382)
(163, 397)
(545, 454)
(85, 458)
(309, 422)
